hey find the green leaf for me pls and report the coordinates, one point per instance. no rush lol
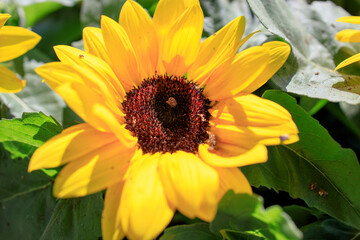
(37, 11)
(311, 105)
(198, 231)
(329, 229)
(245, 214)
(78, 218)
(59, 28)
(315, 169)
(27, 208)
(309, 69)
(35, 97)
(14, 179)
(317, 225)
(22, 136)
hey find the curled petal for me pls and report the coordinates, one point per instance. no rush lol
(3, 18)
(348, 61)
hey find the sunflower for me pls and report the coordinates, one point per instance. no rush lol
(14, 42)
(348, 35)
(168, 119)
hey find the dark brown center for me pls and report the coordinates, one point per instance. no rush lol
(167, 114)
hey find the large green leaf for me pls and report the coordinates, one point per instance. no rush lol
(315, 169)
(22, 136)
(309, 69)
(198, 231)
(317, 225)
(240, 217)
(35, 97)
(27, 208)
(245, 214)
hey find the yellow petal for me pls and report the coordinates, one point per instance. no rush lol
(15, 41)
(350, 19)
(94, 43)
(279, 52)
(181, 45)
(227, 155)
(348, 61)
(243, 70)
(142, 34)
(72, 144)
(99, 73)
(232, 179)
(144, 209)
(348, 35)
(100, 168)
(253, 118)
(110, 221)
(113, 124)
(57, 73)
(216, 49)
(168, 11)
(3, 18)
(80, 97)
(121, 53)
(9, 82)
(91, 107)
(189, 184)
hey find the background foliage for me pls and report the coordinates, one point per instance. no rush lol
(307, 190)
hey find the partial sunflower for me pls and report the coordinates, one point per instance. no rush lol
(14, 42)
(348, 35)
(168, 119)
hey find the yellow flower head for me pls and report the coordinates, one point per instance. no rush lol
(168, 119)
(348, 35)
(14, 42)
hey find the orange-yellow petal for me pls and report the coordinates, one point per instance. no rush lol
(9, 82)
(99, 74)
(232, 78)
(110, 221)
(142, 34)
(3, 18)
(232, 179)
(257, 119)
(228, 155)
(94, 43)
(168, 11)
(15, 41)
(144, 209)
(72, 144)
(69, 85)
(216, 49)
(348, 35)
(94, 172)
(90, 104)
(279, 52)
(181, 45)
(190, 184)
(121, 53)
(348, 61)
(349, 19)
